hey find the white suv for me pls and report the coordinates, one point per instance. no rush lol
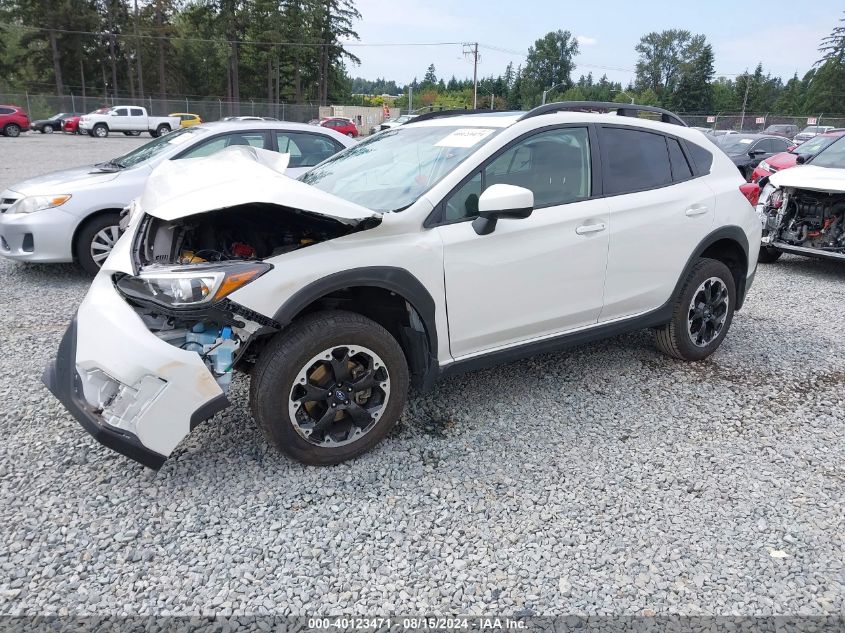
(440, 246)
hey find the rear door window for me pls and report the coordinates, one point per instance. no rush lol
(633, 160)
(680, 167)
(137, 112)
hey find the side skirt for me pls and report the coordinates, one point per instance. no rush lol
(660, 316)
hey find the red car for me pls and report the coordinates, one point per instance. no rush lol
(785, 160)
(338, 124)
(71, 124)
(13, 120)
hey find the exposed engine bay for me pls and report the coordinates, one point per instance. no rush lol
(187, 266)
(805, 219)
(245, 232)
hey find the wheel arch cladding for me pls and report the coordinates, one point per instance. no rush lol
(379, 293)
(728, 245)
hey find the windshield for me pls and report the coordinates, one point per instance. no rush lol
(832, 156)
(814, 145)
(777, 128)
(391, 170)
(156, 147)
(813, 129)
(735, 145)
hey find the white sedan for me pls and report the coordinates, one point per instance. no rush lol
(73, 214)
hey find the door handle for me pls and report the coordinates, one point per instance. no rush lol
(590, 228)
(696, 209)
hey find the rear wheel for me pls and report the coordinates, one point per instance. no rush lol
(162, 129)
(768, 254)
(703, 313)
(329, 387)
(12, 129)
(95, 240)
(101, 130)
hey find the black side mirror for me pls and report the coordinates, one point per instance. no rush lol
(801, 159)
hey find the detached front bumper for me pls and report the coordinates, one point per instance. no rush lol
(132, 391)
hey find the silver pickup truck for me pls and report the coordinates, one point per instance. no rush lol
(131, 120)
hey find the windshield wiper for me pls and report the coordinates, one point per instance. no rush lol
(111, 164)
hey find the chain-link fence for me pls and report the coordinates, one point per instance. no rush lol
(756, 122)
(43, 106)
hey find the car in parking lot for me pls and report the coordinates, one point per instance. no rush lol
(786, 130)
(53, 123)
(444, 245)
(341, 125)
(187, 119)
(747, 150)
(810, 131)
(803, 208)
(131, 120)
(74, 214)
(13, 120)
(790, 158)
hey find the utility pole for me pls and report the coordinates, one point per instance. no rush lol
(744, 101)
(471, 51)
(138, 55)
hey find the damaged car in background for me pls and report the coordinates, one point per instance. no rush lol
(803, 209)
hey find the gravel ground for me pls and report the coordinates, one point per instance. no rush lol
(608, 480)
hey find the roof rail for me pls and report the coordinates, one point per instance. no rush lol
(622, 109)
(437, 114)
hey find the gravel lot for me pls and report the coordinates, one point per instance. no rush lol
(608, 480)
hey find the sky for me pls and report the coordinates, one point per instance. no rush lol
(783, 35)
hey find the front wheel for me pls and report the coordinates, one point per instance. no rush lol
(100, 130)
(703, 313)
(329, 387)
(47, 129)
(768, 254)
(95, 240)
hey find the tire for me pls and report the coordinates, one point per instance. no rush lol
(98, 228)
(769, 255)
(350, 135)
(162, 129)
(12, 130)
(153, 133)
(47, 129)
(696, 332)
(101, 130)
(284, 364)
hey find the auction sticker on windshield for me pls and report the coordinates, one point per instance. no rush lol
(465, 137)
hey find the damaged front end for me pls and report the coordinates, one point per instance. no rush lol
(153, 346)
(805, 221)
(188, 266)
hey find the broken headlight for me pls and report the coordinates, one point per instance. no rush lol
(190, 286)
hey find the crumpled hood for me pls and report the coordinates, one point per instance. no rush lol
(235, 176)
(811, 177)
(67, 180)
